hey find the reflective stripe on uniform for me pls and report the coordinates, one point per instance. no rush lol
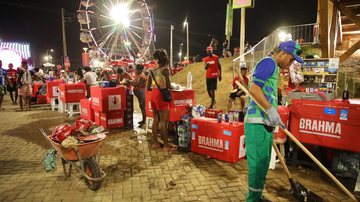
(254, 120)
(255, 190)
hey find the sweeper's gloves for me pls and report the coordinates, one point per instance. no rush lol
(274, 118)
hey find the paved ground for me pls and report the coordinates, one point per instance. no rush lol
(135, 172)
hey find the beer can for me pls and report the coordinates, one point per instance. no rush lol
(226, 117)
(236, 116)
(219, 118)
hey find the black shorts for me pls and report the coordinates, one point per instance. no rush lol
(211, 83)
(235, 95)
(9, 88)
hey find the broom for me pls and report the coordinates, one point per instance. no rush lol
(298, 190)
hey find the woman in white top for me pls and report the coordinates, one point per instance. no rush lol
(90, 78)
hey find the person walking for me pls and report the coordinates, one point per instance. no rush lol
(259, 126)
(3, 78)
(90, 78)
(24, 87)
(213, 73)
(11, 86)
(139, 84)
(160, 78)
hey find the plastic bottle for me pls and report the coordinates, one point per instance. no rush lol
(189, 81)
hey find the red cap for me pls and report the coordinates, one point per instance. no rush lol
(209, 48)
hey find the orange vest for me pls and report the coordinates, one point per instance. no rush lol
(213, 66)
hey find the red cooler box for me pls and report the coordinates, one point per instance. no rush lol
(178, 105)
(108, 99)
(329, 124)
(41, 99)
(109, 120)
(279, 134)
(72, 92)
(86, 111)
(52, 88)
(35, 89)
(223, 141)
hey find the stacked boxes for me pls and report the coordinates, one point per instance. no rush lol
(129, 119)
(86, 111)
(109, 105)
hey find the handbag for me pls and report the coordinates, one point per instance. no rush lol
(165, 92)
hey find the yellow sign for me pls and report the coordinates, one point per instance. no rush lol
(243, 4)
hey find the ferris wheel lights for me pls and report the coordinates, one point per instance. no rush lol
(120, 14)
(96, 63)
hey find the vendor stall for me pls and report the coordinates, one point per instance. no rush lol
(334, 124)
(224, 141)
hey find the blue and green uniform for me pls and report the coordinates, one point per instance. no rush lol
(258, 137)
(2, 81)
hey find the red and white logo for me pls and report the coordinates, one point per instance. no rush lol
(320, 128)
(114, 102)
(211, 143)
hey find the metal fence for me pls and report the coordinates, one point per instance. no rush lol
(306, 33)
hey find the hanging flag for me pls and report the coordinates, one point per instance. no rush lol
(243, 4)
(229, 20)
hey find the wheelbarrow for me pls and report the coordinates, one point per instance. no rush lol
(84, 157)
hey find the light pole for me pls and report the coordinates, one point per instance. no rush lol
(48, 55)
(180, 52)
(171, 45)
(186, 24)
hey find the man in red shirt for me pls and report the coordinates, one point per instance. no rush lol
(237, 92)
(11, 87)
(213, 73)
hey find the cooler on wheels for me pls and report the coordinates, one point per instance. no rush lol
(330, 124)
(223, 141)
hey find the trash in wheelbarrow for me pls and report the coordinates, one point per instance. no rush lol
(62, 132)
(89, 138)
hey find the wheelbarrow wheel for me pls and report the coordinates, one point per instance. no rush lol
(92, 170)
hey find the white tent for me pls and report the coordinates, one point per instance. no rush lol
(48, 64)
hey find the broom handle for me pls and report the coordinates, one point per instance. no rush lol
(293, 138)
(281, 159)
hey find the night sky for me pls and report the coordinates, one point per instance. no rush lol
(39, 23)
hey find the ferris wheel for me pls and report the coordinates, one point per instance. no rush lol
(115, 29)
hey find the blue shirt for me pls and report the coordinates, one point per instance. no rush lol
(2, 76)
(264, 70)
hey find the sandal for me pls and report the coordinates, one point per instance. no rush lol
(19, 110)
(170, 149)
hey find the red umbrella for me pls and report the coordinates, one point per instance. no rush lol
(150, 65)
(125, 60)
(117, 63)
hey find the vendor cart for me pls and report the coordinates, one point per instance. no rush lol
(84, 157)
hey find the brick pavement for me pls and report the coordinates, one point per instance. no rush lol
(135, 172)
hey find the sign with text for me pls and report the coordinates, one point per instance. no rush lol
(243, 4)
